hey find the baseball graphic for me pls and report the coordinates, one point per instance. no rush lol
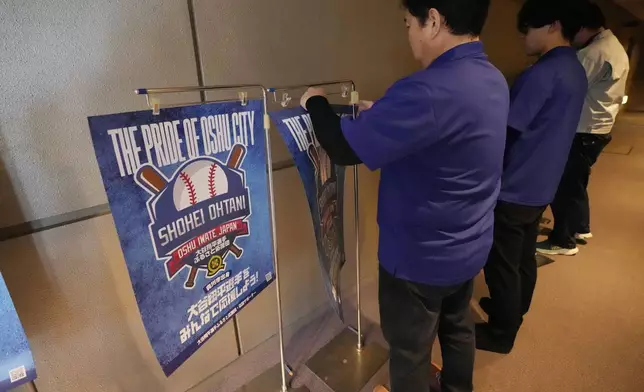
(197, 182)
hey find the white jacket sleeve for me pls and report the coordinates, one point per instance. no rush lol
(596, 68)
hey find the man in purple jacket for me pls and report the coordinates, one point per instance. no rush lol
(545, 107)
(438, 138)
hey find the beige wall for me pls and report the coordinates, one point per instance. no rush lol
(501, 38)
(61, 61)
(636, 101)
(617, 18)
(65, 60)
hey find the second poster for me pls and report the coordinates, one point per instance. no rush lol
(324, 187)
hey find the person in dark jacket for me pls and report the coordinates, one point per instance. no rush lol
(545, 107)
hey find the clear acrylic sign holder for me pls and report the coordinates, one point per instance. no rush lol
(276, 379)
(345, 364)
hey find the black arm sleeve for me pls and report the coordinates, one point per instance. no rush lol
(329, 132)
(511, 138)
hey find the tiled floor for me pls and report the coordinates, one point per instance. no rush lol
(585, 331)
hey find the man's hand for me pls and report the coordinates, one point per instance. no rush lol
(364, 105)
(311, 92)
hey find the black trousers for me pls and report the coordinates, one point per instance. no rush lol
(511, 269)
(411, 315)
(571, 208)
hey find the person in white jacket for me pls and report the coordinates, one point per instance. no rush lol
(607, 66)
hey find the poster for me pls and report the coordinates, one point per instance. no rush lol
(16, 363)
(324, 186)
(188, 192)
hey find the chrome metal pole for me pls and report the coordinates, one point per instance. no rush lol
(174, 90)
(357, 234)
(271, 193)
(302, 86)
(356, 222)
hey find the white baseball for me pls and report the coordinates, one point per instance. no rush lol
(197, 182)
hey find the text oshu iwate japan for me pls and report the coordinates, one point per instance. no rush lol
(192, 221)
(162, 144)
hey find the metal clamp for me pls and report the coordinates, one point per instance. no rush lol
(355, 98)
(154, 103)
(345, 91)
(286, 100)
(243, 97)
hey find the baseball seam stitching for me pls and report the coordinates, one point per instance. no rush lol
(192, 192)
(212, 187)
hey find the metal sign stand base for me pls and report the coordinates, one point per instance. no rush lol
(270, 381)
(344, 367)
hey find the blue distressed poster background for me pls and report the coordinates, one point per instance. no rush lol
(324, 187)
(16, 363)
(189, 197)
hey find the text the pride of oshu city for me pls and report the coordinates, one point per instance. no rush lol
(160, 144)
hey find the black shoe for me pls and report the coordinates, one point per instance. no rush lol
(548, 248)
(486, 304)
(492, 339)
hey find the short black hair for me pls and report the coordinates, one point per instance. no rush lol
(592, 17)
(462, 17)
(539, 13)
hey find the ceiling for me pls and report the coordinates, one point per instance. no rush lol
(636, 7)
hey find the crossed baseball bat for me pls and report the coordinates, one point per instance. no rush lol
(315, 157)
(322, 163)
(154, 181)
